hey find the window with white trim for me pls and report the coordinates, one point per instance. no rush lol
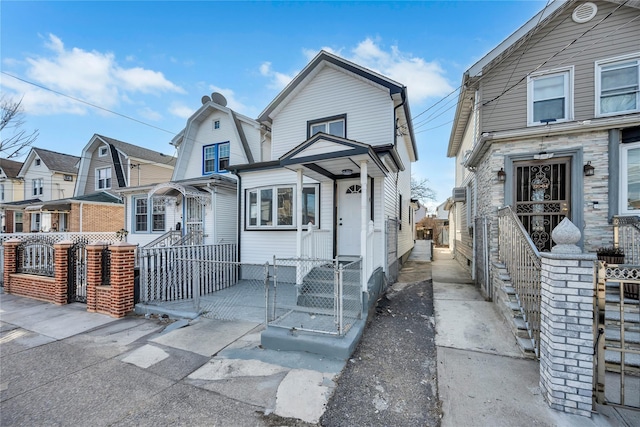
(275, 207)
(145, 218)
(617, 85)
(17, 222)
(103, 178)
(103, 151)
(37, 186)
(35, 221)
(332, 126)
(630, 178)
(215, 158)
(550, 97)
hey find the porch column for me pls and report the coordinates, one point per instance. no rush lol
(299, 213)
(363, 221)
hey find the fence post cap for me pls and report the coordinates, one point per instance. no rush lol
(122, 246)
(13, 241)
(64, 243)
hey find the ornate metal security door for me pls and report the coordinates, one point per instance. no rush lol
(542, 197)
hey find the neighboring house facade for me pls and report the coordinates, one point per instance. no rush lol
(198, 203)
(339, 165)
(47, 175)
(11, 191)
(548, 123)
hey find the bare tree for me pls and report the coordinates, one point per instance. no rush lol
(11, 122)
(420, 190)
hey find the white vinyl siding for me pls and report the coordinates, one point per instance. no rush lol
(368, 108)
(510, 110)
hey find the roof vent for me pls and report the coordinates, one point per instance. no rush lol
(584, 13)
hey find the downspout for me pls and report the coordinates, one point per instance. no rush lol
(81, 211)
(395, 144)
(240, 211)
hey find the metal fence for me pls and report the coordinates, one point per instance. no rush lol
(626, 236)
(483, 271)
(327, 301)
(35, 257)
(169, 273)
(393, 267)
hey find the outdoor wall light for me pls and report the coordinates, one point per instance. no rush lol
(588, 169)
(502, 175)
(347, 172)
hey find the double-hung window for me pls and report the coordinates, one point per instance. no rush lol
(630, 178)
(103, 178)
(145, 216)
(37, 186)
(550, 97)
(274, 207)
(331, 125)
(617, 85)
(215, 158)
(18, 222)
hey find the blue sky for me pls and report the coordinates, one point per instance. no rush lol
(151, 62)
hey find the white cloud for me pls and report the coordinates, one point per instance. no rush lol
(181, 110)
(278, 80)
(94, 77)
(423, 78)
(149, 114)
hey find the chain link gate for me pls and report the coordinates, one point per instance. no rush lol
(392, 250)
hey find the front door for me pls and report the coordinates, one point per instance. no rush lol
(349, 193)
(194, 220)
(542, 196)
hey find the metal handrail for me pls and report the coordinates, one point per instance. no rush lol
(167, 239)
(522, 260)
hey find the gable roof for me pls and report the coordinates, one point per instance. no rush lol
(138, 152)
(471, 77)
(54, 161)
(10, 168)
(324, 58)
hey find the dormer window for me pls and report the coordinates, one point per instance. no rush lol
(103, 151)
(331, 125)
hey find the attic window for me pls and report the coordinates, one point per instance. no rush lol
(37, 162)
(103, 151)
(584, 13)
(216, 124)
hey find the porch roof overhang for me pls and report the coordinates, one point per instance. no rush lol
(172, 189)
(56, 207)
(323, 157)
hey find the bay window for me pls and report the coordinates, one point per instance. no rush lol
(275, 207)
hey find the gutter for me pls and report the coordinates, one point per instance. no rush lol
(240, 214)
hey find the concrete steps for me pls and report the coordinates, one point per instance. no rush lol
(318, 291)
(507, 302)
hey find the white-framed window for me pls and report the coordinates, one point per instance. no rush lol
(216, 124)
(617, 85)
(630, 178)
(145, 219)
(37, 186)
(275, 207)
(103, 151)
(18, 226)
(550, 97)
(215, 158)
(35, 221)
(332, 126)
(103, 178)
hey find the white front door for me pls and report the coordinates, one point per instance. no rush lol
(349, 193)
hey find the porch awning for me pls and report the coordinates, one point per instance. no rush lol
(172, 189)
(59, 207)
(326, 156)
(33, 208)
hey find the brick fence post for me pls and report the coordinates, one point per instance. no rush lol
(567, 323)
(61, 272)
(94, 273)
(10, 261)
(122, 278)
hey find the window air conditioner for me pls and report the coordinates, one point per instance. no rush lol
(459, 194)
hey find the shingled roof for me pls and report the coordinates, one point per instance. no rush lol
(11, 168)
(140, 152)
(58, 162)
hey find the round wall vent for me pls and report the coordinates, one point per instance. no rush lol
(584, 13)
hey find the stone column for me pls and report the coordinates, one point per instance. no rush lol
(567, 323)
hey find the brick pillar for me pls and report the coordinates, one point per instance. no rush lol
(61, 272)
(122, 275)
(10, 261)
(567, 323)
(94, 273)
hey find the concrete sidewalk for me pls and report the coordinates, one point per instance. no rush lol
(483, 377)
